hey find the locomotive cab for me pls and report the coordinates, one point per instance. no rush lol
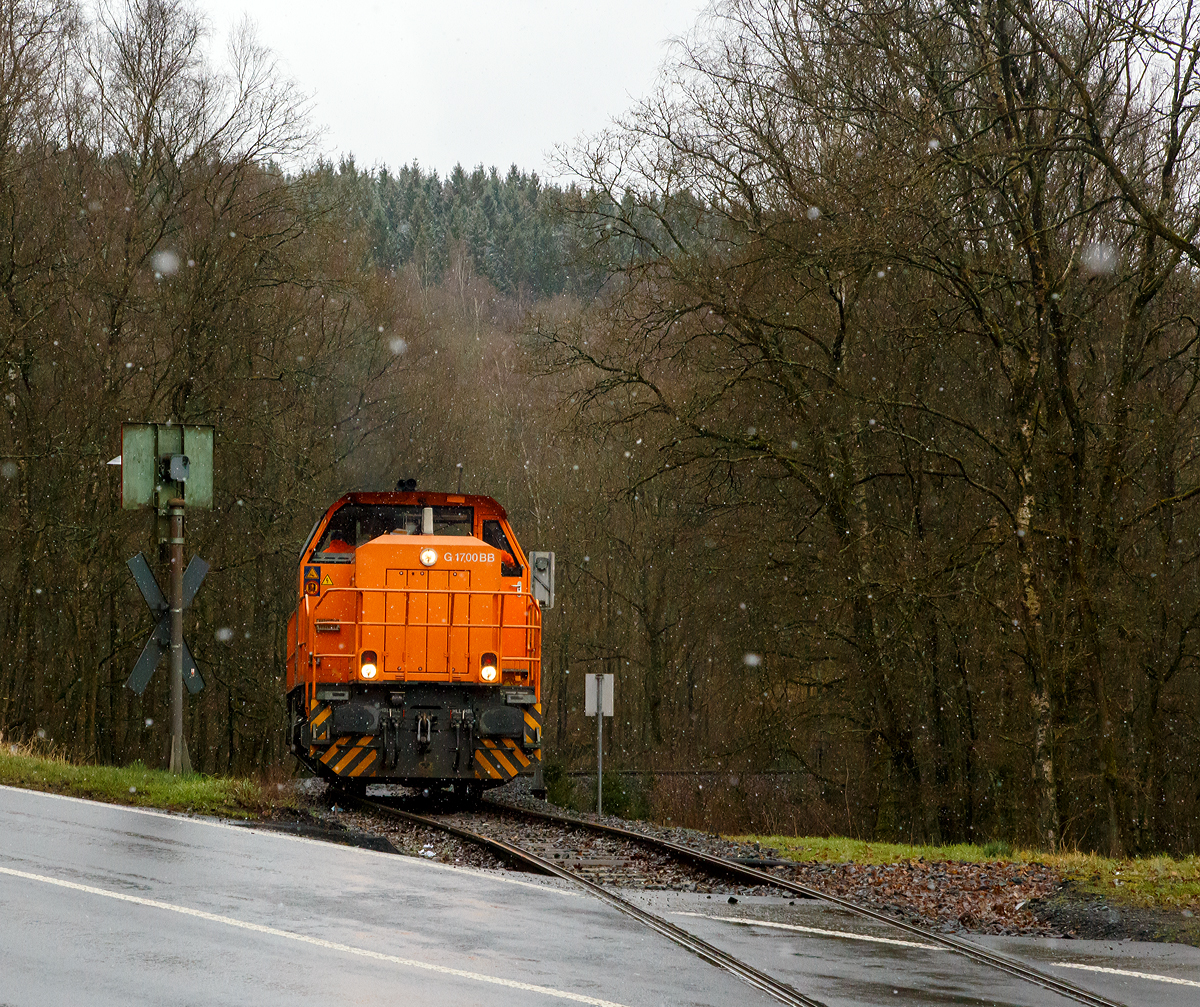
(414, 654)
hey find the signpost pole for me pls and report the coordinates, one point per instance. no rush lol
(180, 763)
(166, 468)
(599, 745)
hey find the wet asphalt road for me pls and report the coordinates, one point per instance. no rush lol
(846, 962)
(108, 905)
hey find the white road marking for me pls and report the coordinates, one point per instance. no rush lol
(318, 942)
(929, 947)
(816, 930)
(1127, 972)
(245, 830)
(511, 881)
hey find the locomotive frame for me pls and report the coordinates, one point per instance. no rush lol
(414, 653)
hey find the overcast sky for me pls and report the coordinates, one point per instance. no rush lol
(473, 82)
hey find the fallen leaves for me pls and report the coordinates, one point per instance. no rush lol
(991, 897)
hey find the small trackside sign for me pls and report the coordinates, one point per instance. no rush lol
(312, 580)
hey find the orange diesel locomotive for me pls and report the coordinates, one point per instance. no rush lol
(414, 654)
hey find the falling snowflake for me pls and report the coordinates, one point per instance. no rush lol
(165, 262)
(1098, 258)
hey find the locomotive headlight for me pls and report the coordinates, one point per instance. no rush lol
(368, 667)
(489, 668)
(428, 557)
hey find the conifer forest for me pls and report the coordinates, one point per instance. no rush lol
(853, 376)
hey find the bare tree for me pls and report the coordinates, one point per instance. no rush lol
(866, 261)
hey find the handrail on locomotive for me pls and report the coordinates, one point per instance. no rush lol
(532, 625)
(416, 641)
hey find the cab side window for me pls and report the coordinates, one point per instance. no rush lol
(339, 538)
(494, 536)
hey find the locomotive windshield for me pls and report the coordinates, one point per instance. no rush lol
(356, 523)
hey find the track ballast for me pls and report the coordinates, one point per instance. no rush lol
(557, 845)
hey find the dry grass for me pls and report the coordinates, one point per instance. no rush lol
(1158, 882)
(37, 766)
(1144, 881)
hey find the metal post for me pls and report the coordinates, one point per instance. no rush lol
(599, 745)
(180, 763)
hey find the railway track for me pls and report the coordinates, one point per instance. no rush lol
(582, 864)
(547, 863)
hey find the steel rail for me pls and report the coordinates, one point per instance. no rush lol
(710, 953)
(1012, 966)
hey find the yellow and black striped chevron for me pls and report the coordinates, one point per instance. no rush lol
(321, 723)
(349, 756)
(504, 758)
(533, 727)
(500, 759)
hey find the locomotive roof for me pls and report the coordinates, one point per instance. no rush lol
(420, 498)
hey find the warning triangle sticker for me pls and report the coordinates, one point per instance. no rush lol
(327, 582)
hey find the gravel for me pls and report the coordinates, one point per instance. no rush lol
(416, 840)
(991, 898)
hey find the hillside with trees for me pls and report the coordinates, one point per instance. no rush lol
(507, 226)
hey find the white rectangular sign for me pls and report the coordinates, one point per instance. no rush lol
(593, 684)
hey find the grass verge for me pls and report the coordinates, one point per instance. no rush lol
(1145, 883)
(37, 769)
